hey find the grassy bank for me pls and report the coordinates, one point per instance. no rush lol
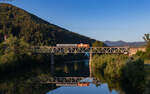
(120, 67)
(126, 74)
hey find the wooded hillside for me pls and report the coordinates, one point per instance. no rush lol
(18, 22)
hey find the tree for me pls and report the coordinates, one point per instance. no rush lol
(1, 36)
(147, 40)
(13, 50)
(98, 44)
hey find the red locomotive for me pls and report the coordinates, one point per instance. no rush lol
(81, 45)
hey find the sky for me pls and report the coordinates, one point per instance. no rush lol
(113, 20)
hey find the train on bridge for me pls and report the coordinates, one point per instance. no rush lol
(81, 45)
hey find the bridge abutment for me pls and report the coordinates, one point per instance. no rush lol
(134, 50)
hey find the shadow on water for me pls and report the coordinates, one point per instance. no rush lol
(20, 81)
(69, 77)
(72, 69)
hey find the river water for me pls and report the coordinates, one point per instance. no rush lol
(74, 77)
(88, 85)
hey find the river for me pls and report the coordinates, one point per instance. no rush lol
(74, 77)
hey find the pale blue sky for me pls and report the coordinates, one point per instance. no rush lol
(126, 20)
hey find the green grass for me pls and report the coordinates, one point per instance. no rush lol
(147, 61)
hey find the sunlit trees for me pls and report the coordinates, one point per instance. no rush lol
(120, 67)
(13, 50)
(98, 44)
(147, 40)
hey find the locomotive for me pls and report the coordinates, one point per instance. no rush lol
(81, 45)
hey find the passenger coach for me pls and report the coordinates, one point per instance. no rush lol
(81, 45)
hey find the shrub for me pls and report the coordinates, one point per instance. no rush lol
(98, 44)
(141, 54)
(133, 71)
(101, 62)
(120, 67)
(13, 50)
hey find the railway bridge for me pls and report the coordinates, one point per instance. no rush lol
(100, 50)
(90, 50)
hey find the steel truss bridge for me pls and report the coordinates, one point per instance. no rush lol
(100, 50)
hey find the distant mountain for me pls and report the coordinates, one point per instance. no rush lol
(123, 43)
(33, 29)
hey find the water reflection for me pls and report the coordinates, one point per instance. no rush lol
(68, 81)
(72, 69)
(68, 78)
(118, 85)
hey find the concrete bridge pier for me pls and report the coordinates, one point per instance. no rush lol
(90, 64)
(52, 59)
(52, 69)
(90, 58)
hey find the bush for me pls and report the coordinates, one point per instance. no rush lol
(113, 69)
(133, 71)
(98, 44)
(141, 54)
(120, 67)
(13, 50)
(101, 62)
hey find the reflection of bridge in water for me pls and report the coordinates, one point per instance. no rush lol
(69, 81)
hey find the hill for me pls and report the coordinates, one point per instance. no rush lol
(33, 29)
(123, 43)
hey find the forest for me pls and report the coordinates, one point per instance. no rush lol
(34, 30)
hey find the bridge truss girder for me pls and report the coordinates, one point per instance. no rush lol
(100, 50)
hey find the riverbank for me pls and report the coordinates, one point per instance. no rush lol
(136, 86)
(120, 67)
